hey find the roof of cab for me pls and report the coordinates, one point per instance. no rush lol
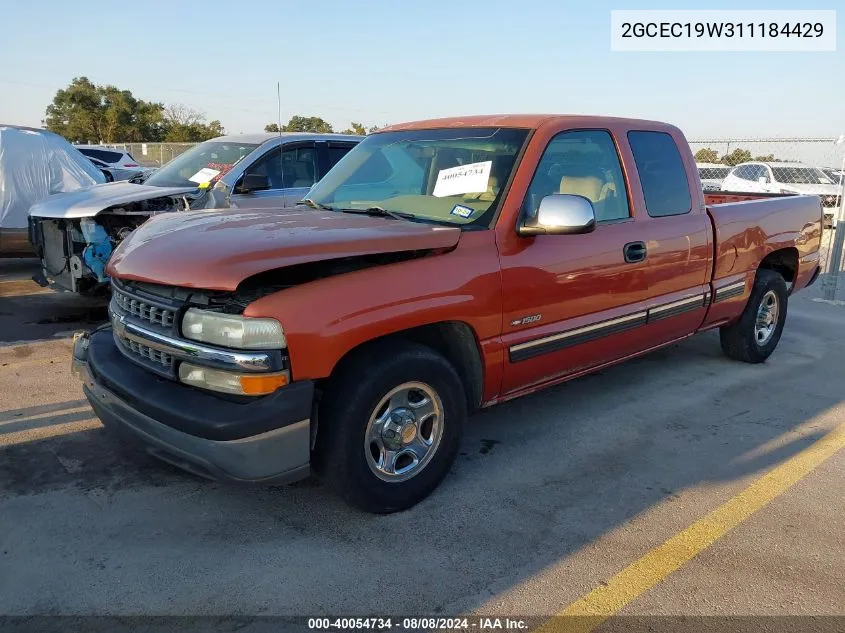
(530, 121)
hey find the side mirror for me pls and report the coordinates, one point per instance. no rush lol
(109, 176)
(763, 180)
(253, 182)
(560, 214)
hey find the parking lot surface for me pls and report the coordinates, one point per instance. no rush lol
(553, 496)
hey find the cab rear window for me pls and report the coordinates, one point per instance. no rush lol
(662, 174)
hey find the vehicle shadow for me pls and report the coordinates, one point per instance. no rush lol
(537, 479)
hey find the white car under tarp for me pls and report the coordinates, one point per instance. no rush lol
(35, 164)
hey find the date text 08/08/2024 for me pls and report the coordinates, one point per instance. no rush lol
(418, 624)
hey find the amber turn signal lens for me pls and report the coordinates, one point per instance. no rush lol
(229, 382)
(260, 385)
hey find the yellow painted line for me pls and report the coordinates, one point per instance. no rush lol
(20, 288)
(42, 433)
(643, 574)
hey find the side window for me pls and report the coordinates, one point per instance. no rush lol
(299, 167)
(270, 167)
(584, 163)
(336, 152)
(293, 167)
(662, 174)
(743, 172)
(105, 156)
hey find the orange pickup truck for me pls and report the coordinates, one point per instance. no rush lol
(440, 267)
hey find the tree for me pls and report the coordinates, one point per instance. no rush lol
(76, 111)
(769, 158)
(736, 157)
(302, 124)
(183, 124)
(85, 112)
(356, 128)
(308, 124)
(707, 155)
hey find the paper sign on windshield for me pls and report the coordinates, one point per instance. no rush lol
(204, 175)
(462, 179)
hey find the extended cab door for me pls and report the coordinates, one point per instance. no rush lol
(289, 172)
(571, 302)
(679, 244)
(638, 281)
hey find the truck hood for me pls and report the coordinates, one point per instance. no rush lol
(88, 202)
(218, 249)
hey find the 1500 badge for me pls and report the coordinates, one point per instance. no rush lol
(526, 320)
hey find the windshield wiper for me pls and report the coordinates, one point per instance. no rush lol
(382, 213)
(315, 205)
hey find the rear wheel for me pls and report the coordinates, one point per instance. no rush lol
(755, 335)
(390, 426)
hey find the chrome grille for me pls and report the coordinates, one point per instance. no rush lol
(146, 353)
(143, 310)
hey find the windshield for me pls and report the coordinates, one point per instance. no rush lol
(713, 173)
(200, 165)
(801, 176)
(453, 176)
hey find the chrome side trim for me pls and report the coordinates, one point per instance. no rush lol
(576, 336)
(202, 354)
(569, 338)
(691, 302)
(580, 330)
(731, 290)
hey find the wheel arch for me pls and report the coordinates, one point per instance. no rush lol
(455, 340)
(783, 261)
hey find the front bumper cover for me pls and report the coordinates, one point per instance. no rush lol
(194, 430)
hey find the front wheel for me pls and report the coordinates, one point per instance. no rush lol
(390, 426)
(755, 335)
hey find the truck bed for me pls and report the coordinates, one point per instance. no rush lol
(750, 226)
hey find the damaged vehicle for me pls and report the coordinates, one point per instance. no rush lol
(74, 234)
(35, 164)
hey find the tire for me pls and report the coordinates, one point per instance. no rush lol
(358, 415)
(743, 340)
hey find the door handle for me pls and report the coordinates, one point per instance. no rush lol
(635, 252)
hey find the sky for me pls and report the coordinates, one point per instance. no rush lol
(380, 62)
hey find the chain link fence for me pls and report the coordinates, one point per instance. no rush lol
(151, 154)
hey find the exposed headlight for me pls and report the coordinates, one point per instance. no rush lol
(232, 330)
(229, 382)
